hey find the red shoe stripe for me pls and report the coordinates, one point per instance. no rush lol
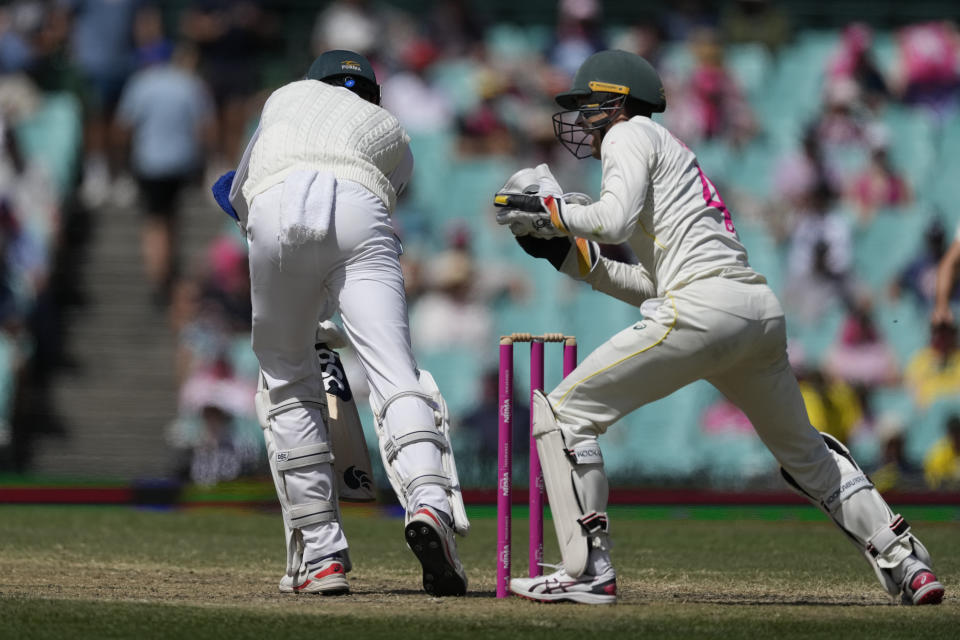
(429, 513)
(301, 586)
(336, 567)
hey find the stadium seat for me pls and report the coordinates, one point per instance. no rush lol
(912, 150)
(52, 136)
(885, 244)
(751, 65)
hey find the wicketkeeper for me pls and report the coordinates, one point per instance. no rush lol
(704, 314)
(314, 193)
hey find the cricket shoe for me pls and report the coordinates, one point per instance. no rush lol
(328, 578)
(560, 587)
(431, 540)
(920, 585)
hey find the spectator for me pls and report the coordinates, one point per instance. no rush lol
(644, 39)
(933, 372)
(579, 34)
(854, 62)
(214, 308)
(456, 27)
(347, 24)
(419, 106)
(452, 313)
(760, 21)
(879, 185)
(482, 130)
(860, 356)
(102, 49)
(480, 422)
(209, 430)
(797, 177)
(712, 106)
(843, 123)
(926, 74)
(166, 117)
(229, 37)
(725, 417)
(893, 471)
(941, 465)
(833, 406)
(918, 278)
(819, 259)
(946, 285)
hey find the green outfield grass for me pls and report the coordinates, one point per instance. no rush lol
(705, 572)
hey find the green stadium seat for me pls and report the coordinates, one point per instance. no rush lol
(751, 64)
(53, 137)
(885, 244)
(912, 144)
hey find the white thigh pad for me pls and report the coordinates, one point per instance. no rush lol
(576, 486)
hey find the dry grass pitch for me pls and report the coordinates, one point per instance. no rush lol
(99, 572)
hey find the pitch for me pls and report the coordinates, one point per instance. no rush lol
(111, 572)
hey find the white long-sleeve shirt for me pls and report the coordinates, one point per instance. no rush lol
(655, 197)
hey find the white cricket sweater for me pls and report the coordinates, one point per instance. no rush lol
(311, 125)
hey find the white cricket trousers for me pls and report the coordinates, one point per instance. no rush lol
(730, 333)
(355, 269)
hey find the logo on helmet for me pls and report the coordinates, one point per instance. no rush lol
(350, 65)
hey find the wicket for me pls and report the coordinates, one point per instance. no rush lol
(505, 450)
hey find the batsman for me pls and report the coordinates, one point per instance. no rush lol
(704, 313)
(315, 193)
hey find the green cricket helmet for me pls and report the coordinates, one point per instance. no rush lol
(348, 69)
(601, 87)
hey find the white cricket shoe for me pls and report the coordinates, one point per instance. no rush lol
(559, 587)
(432, 541)
(919, 584)
(327, 578)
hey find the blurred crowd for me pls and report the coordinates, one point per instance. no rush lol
(814, 171)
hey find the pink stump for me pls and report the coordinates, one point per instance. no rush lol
(504, 464)
(569, 356)
(536, 488)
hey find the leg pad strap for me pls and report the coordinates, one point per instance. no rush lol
(428, 476)
(301, 515)
(393, 444)
(304, 456)
(295, 403)
(595, 522)
(885, 537)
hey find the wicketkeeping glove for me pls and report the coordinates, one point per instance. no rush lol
(530, 215)
(576, 257)
(531, 203)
